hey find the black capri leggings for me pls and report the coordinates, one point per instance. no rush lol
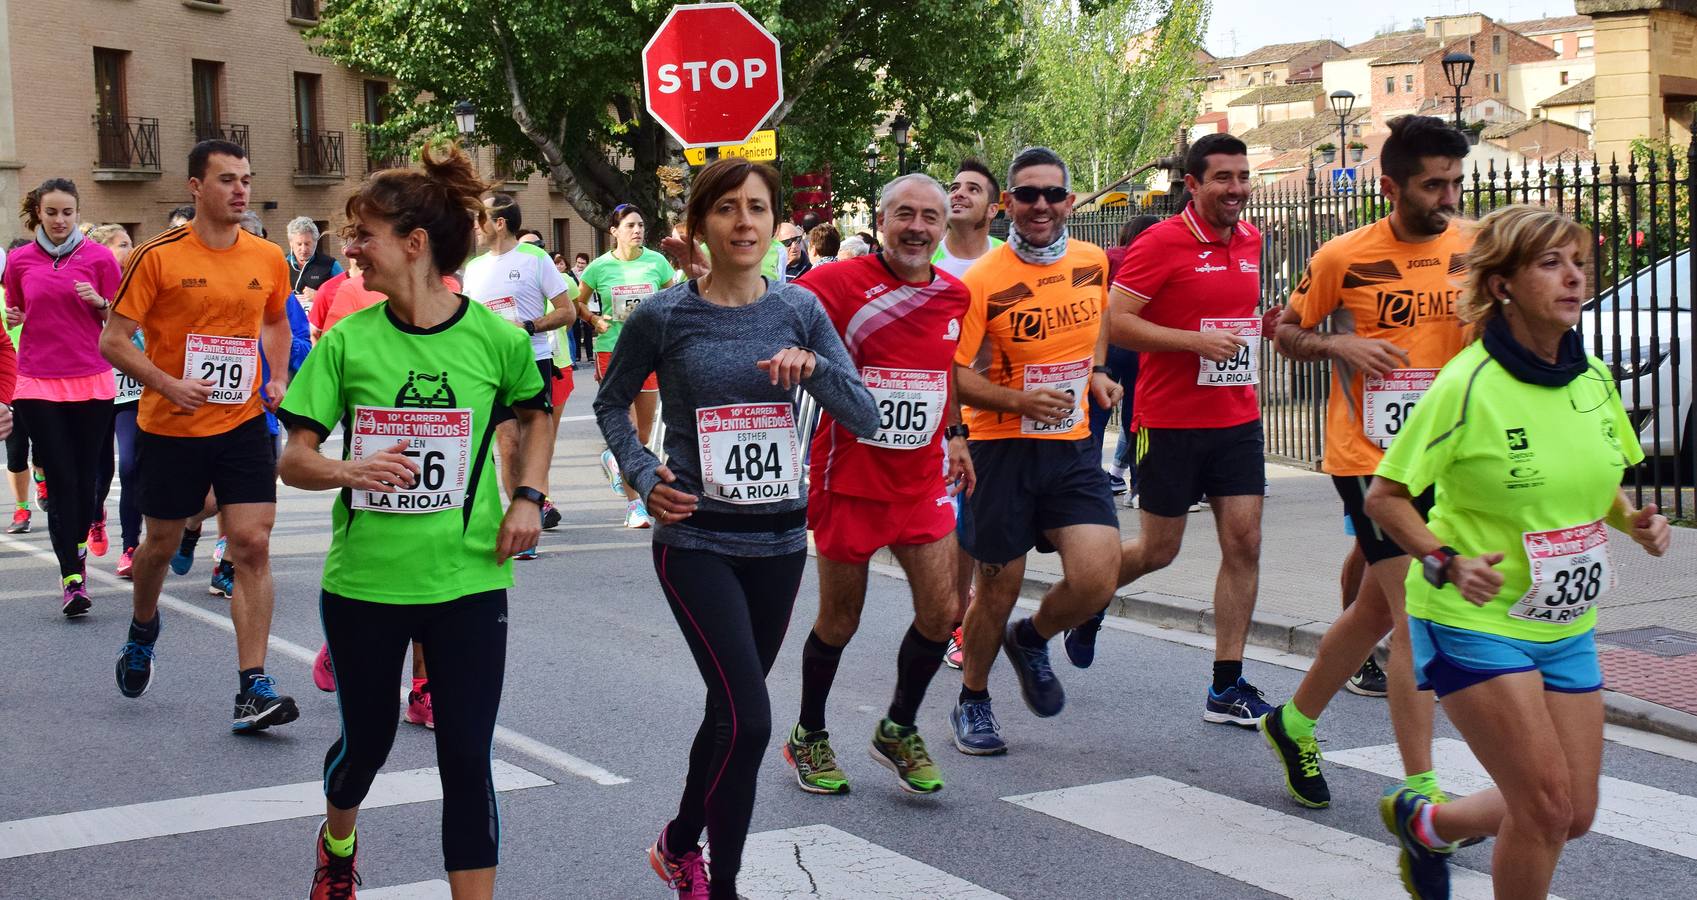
(465, 651)
(733, 611)
(73, 445)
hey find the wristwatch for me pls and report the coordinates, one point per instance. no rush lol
(529, 326)
(529, 493)
(1104, 370)
(1435, 565)
(956, 431)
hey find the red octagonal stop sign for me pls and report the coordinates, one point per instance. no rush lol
(711, 74)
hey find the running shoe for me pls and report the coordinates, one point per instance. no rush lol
(75, 604)
(1241, 704)
(223, 582)
(20, 521)
(977, 733)
(610, 470)
(550, 515)
(1301, 760)
(127, 562)
(1117, 484)
(1037, 682)
(1425, 872)
(902, 751)
(335, 877)
(97, 542)
(809, 753)
(218, 549)
(419, 710)
(1081, 641)
(954, 654)
(323, 673)
(1369, 681)
(183, 560)
(135, 668)
(40, 492)
(636, 516)
(259, 706)
(686, 874)
(527, 554)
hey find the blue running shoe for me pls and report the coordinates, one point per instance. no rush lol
(223, 580)
(1425, 872)
(1241, 704)
(976, 730)
(135, 669)
(610, 469)
(183, 560)
(1081, 641)
(1038, 685)
(259, 706)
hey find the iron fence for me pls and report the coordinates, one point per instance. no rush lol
(318, 153)
(222, 131)
(127, 142)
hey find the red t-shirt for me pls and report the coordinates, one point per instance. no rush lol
(903, 336)
(1193, 281)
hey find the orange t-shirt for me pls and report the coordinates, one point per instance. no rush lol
(200, 312)
(1384, 289)
(1032, 326)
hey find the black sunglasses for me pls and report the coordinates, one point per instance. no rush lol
(1026, 193)
(788, 241)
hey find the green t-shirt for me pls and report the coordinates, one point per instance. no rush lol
(773, 265)
(621, 286)
(443, 390)
(1517, 466)
(561, 337)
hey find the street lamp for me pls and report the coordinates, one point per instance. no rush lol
(1458, 68)
(1343, 103)
(872, 185)
(465, 118)
(898, 130)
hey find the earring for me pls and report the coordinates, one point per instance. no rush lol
(1507, 299)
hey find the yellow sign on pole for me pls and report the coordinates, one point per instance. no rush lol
(763, 147)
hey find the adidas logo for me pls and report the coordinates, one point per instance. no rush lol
(254, 285)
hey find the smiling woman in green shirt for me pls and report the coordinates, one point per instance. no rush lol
(1526, 440)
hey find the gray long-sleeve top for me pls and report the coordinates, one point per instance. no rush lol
(705, 355)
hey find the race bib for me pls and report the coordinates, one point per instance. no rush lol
(1072, 379)
(438, 442)
(1386, 403)
(505, 307)
(129, 389)
(1240, 370)
(1570, 570)
(626, 297)
(749, 453)
(910, 405)
(230, 363)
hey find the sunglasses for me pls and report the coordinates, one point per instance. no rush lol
(788, 241)
(1026, 193)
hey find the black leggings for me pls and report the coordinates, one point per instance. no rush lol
(733, 611)
(129, 482)
(465, 651)
(73, 445)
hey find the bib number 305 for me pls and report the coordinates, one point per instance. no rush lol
(1570, 569)
(910, 405)
(749, 453)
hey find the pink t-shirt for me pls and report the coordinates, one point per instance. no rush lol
(61, 335)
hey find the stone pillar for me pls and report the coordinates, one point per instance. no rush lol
(1646, 59)
(9, 163)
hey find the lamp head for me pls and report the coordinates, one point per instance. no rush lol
(1343, 103)
(465, 117)
(1458, 68)
(898, 129)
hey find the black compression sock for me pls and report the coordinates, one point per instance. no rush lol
(1026, 634)
(818, 669)
(191, 537)
(246, 674)
(145, 633)
(1226, 674)
(968, 695)
(916, 663)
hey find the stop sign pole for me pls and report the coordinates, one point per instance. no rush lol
(711, 74)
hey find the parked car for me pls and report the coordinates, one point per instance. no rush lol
(1636, 327)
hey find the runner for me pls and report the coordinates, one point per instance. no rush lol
(1389, 291)
(1186, 300)
(420, 545)
(900, 320)
(1524, 436)
(730, 538)
(518, 281)
(1029, 364)
(116, 239)
(59, 289)
(621, 279)
(206, 296)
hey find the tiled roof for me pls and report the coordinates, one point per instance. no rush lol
(1552, 25)
(1275, 53)
(1583, 92)
(1411, 52)
(1499, 130)
(1384, 43)
(1280, 93)
(1292, 133)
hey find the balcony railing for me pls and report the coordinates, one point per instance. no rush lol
(376, 162)
(128, 142)
(222, 131)
(319, 153)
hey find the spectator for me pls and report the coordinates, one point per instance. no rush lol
(182, 215)
(530, 236)
(114, 238)
(579, 263)
(810, 221)
(309, 267)
(560, 264)
(853, 247)
(871, 242)
(824, 241)
(795, 261)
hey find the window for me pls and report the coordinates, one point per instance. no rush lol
(208, 98)
(1390, 84)
(1408, 84)
(563, 238)
(1496, 43)
(1564, 77)
(110, 91)
(317, 152)
(1586, 43)
(1496, 82)
(1248, 79)
(304, 9)
(121, 142)
(306, 103)
(1583, 119)
(1473, 46)
(1558, 45)
(375, 92)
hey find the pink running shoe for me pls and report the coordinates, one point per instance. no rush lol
(323, 674)
(126, 562)
(75, 604)
(97, 543)
(953, 654)
(686, 875)
(419, 710)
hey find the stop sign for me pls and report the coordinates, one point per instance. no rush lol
(711, 74)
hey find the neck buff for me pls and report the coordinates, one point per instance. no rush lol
(57, 251)
(1529, 367)
(1035, 255)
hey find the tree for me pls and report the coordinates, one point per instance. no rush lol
(558, 84)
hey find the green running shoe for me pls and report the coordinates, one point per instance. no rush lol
(902, 751)
(814, 762)
(1300, 758)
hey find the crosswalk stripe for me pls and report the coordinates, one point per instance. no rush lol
(1276, 852)
(1632, 812)
(418, 890)
(208, 812)
(818, 861)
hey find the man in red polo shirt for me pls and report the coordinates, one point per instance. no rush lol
(1186, 299)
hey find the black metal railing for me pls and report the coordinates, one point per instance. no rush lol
(127, 142)
(319, 153)
(222, 131)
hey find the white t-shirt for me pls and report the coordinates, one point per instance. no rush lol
(954, 265)
(523, 279)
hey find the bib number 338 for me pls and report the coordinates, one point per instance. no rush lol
(1570, 569)
(750, 453)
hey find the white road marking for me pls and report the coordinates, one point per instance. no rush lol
(507, 737)
(418, 890)
(1278, 853)
(818, 861)
(1626, 810)
(1651, 742)
(140, 821)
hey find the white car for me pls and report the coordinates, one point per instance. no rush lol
(1633, 328)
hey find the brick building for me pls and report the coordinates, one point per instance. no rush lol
(1571, 37)
(1410, 79)
(113, 93)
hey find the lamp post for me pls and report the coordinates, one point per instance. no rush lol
(1458, 68)
(1343, 103)
(872, 186)
(898, 130)
(465, 118)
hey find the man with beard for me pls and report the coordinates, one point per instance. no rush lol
(900, 320)
(1393, 284)
(1032, 352)
(972, 204)
(1186, 300)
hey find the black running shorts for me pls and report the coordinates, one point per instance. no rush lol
(1376, 544)
(176, 472)
(1027, 486)
(1179, 466)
